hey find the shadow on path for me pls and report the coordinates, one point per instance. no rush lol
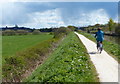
(92, 52)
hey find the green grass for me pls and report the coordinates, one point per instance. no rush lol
(68, 63)
(111, 48)
(13, 44)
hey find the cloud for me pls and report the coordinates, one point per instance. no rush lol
(12, 13)
(44, 14)
(99, 16)
(49, 18)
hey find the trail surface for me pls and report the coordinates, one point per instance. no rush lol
(106, 66)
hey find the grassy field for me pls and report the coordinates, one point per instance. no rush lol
(68, 63)
(13, 44)
(23, 62)
(111, 48)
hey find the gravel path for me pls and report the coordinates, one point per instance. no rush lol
(106, 66)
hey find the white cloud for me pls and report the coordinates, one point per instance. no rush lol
(94, 17)
(53, 18)
(50, 18)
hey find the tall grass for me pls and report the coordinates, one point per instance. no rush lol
(68, 63)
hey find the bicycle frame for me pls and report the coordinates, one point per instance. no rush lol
(99, 46)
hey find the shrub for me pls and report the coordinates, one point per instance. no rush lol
(8, 32)
(72, 28)
(61, 31)
(35, 32)
(21, 32)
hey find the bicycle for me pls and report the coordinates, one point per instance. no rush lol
(99, 47)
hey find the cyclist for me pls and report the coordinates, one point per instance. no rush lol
(99, 37)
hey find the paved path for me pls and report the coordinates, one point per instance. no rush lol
(106, 66)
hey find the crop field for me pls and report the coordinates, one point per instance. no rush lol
(68, 63)
(13, 44)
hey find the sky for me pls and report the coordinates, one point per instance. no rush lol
(56, 14)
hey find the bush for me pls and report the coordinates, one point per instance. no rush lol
(36, 32)
(21, 32)
(72, 28)
(61, 31)
(13, 32)
(13, 68)
(117, 29)
(8, 32)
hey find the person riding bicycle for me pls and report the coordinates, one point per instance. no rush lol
(99, 37)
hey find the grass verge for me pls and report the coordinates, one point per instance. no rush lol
(68, 63)
(111, 48)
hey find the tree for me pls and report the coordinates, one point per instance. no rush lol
(6, 27)
(117, 29)
(16, 26)
(111, 25)
(97, 25)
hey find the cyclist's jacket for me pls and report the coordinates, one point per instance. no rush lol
(99, 35)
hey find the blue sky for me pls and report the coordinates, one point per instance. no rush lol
(55, 14)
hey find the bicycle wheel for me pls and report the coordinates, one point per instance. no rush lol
(101, 47)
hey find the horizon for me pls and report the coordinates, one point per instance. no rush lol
(56, 14)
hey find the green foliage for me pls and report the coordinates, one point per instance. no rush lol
(110, 28)
(69, 63)
(111, 24)
(71, 27)
(21, 32)
(61, 32)
(36, 32)
(24, 60)
(13, 68)
(117, 29)
(8, 32)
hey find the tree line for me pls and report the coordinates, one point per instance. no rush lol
(9, 31)
(111, 27)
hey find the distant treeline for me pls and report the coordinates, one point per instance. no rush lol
(22, 31)
(25, 31)
(111, 28)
